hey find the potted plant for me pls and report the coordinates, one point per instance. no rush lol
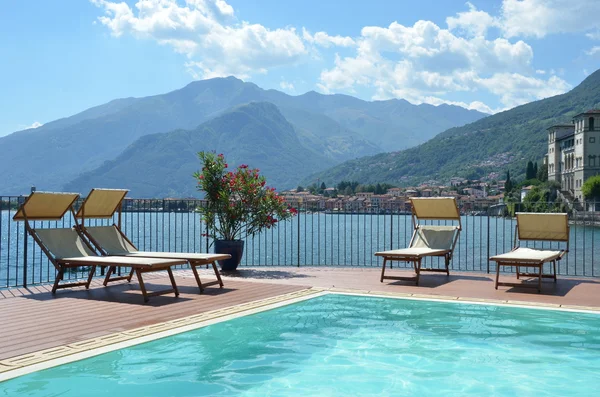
(238, 204)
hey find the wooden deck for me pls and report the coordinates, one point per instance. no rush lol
(33, 319)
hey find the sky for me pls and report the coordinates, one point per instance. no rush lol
(58, 58)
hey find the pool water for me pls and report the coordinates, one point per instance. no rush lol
(341, 345)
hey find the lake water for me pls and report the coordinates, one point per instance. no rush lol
(311, 239)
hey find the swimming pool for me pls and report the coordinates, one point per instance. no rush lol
(349, 345)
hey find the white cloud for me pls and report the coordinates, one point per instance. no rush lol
(515, 89)
(36, 124)
(202, 30)
(593, 35)
(325, 40)
(540, 71)
(423, 63)
(538, 18)
(284, 85)
(593, 51)
(473, 22)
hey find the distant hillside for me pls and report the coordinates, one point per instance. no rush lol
(493, 144)
(339, 126)
(161, 165)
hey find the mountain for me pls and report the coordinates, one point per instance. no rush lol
(340, 126)
(493, 144)
(392, 125)
(162, 164)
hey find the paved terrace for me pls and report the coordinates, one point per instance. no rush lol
(33, 319)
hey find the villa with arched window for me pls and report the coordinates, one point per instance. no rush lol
(574, 152)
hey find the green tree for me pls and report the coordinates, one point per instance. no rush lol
(323, 186)
(529, 172)
(591, 188)
(542, 173)
(535, 169)
(508, 185)
(299, 189)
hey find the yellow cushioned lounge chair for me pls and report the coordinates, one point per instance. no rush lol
(535, 227)
(110, 240)
(427, 240)
(65, 248)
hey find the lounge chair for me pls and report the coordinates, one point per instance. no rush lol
(535, 227)
(110, 240)
(427, 240)
(65, 248)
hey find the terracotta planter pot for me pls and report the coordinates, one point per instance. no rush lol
(235, 248)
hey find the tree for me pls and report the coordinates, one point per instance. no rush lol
(535, 170)
(299, 189)
(529, 174)
(591, 188)
(542, 173)
(508, 185)
(323, 186)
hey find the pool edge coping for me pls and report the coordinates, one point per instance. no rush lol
(31, 362)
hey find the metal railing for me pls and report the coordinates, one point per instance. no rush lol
(313, 238)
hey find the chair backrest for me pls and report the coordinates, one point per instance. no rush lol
(435, 208)
(63, 243)
(101, 203)
(110, 240)
(435, 237)
(542, 226)
(46, 206)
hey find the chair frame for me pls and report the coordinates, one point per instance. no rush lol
(533, 263)
(194, 263)
(62, 265)
(417, 259)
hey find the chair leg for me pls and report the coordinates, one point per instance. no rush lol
(138, 273)
(383, 269)
(447, 257)
(214, 265)
(110, 271)
(90, 276)
(130, 275)
(497, 274)
(418, 270)
(197, 276)
(173, 281)
(59, 277)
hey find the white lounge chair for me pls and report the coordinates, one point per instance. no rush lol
(542, 227)
(65, 248)
(427, 240)
(110, 240)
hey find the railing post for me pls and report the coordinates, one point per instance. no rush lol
(299, 237)
(25, 258)
(391, 229)
(488, 240)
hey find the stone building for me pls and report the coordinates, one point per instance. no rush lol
(574, 152)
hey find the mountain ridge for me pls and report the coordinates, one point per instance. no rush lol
(497, 143)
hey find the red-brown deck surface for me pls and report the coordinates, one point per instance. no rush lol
(33, 319)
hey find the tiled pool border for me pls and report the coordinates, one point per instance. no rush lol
(43, 359)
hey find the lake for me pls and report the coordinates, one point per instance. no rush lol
(310, 239)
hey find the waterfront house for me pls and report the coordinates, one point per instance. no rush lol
(574, 152)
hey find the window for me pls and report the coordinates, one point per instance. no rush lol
(592, 139)
(591, 124)
(592, 161)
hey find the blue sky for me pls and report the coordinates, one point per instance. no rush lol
(62, 57)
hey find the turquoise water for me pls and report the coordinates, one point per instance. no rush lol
(340, 345)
